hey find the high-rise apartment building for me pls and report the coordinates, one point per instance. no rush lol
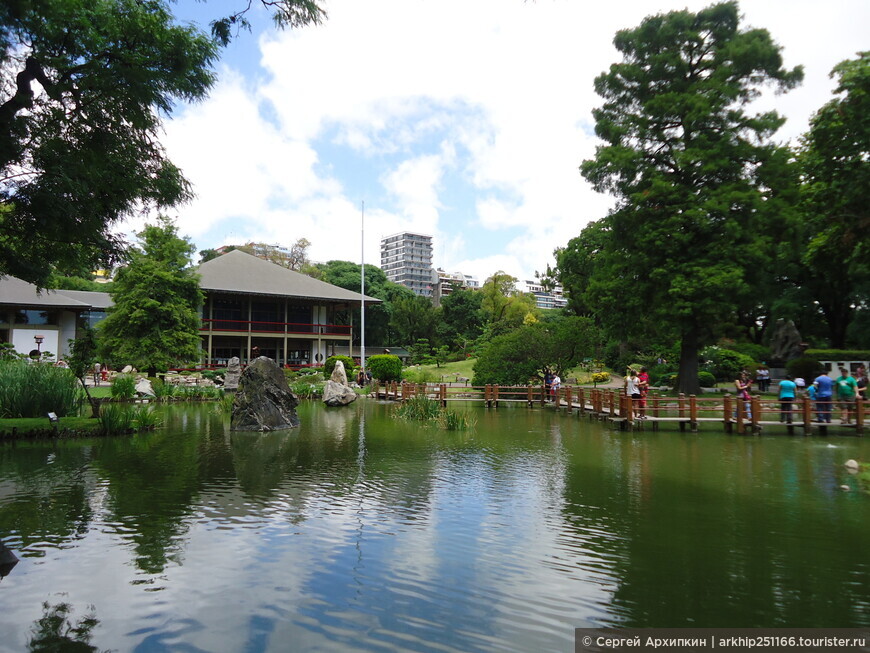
(406, 258)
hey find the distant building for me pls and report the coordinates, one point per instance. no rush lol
(445, 282)
(406, 259)
(544, 298)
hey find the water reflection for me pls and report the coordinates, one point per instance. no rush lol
(355, 532)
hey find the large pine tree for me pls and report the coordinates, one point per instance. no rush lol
(694, 172)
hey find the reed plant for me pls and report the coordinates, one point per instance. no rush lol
(306, 390)
(145, 418)
(123, 387)
(450, 420)
(35, 389)
(162, 391)
(419, 408)
(116, 419)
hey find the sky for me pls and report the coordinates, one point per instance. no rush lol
(466, 120)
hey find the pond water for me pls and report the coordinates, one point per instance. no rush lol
(358, 532)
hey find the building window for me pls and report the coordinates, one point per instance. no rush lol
(36, 318)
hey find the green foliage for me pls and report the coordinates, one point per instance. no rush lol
(55, 630)
(307, 389)
(418, 408)
(696, 179)
(725, 364)
(803, 368)
(600, 377)
(758, 353)
(329, 365)
(505, 308)
(835, 225)
(123, 386)
(385, 367)
(462, 318)
(838, 354)
(421, 352)
(145, 418)
(706, 379)
(35, 389)
(116, 419)
(154, 323)
(86, 87)
(419, 375)
(521, 355)
(451, 420)
(414, 319)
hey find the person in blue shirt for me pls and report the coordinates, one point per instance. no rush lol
(787, 393)
(824, 396)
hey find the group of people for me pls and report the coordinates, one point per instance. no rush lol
(552, 384)
(823, 392)
(637, 387)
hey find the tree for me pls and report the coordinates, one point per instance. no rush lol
(84, 85)
(505, 307)
(82, 356)
(154, 323)
(694, 175)
(414, 318)
(462, 317)
(835, 162)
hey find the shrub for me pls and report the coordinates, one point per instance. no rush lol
(600, 377)
(329, 366)
(419, 375)
(144, 418)
(306, 389)
(385, 367)
(34, 390)
(706, 380)
(726, 364)
(838, 354)
(123, 387)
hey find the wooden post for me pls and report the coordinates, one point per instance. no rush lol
(543, 395)
(859, 415)
(755, 406)
(486, 395)
(727, 407)
(681, 410)
(581, 399)
(529, 396)
(569, 399)
(741, 406)
(807, 412)
(495, 395)
(443, 392)
(556, 398)
(693, 413)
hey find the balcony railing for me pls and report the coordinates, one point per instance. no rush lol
(253, 326)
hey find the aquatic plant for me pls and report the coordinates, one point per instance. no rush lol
(123, 387)
(35, 389)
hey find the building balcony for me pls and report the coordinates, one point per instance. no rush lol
(274, 328)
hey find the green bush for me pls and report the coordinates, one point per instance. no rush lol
(706, 380)
(600, 377)
(385, 367)
(726, 364)
(123, 387)
(419, 408)
(116, 419)
(329, 365)
(419, 375)
(35, 389)
(838, 354)
(803, 368)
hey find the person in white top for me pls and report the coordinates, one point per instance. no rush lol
(632, 389)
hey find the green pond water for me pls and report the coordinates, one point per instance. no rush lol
(359, 532)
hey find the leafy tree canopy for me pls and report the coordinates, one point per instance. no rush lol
(696, 179)
(154, 323)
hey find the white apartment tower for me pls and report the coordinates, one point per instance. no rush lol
(406, 258)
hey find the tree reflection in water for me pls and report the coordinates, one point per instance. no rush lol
(55, 631)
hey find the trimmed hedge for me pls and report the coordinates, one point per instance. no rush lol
(838, 354)
(385, 367)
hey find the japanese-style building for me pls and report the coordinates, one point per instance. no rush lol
(249, 303)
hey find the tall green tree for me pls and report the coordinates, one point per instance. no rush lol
(84, 86)
(835, 163)
(462, 317)
(693, 173)
(414, 318)
(154, 323)
(505, 307)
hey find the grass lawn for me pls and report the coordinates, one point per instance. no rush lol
(26, 424)
(465, 369)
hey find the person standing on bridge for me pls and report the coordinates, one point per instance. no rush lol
(632, 389)
(787, 392)
(643, 386)
(824, 397)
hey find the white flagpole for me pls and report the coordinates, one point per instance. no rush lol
(362, 304)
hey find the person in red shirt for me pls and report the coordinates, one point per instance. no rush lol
(643, 386)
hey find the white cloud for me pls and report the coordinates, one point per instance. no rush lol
(456, 119)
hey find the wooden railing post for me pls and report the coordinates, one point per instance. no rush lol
(807, 412)
(681, 410)
(740, 405)
(726, 413)
(557, 398)
(859, 415)
(569, 399)
(656, 405)
(693, 413)
(543, 395)
(755, 404)
(495, 395)
(442, 391)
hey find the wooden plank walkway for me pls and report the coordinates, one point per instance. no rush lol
(753, 416)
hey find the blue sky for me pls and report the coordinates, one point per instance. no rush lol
(463, 119)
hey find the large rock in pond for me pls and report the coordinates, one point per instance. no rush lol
(144, 387)
(337, 392)
(263, 401)
(233, 374)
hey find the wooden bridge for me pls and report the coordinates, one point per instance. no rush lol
(614, 406)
